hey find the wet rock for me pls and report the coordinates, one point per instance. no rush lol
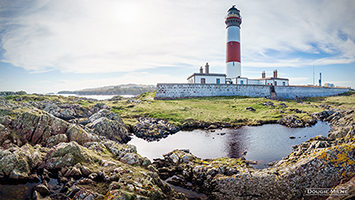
(110, 125)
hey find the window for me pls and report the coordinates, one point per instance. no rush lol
(218, 81)
(203, 80)
(283, 83)
(241, 82)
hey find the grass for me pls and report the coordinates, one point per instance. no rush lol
(206, 109)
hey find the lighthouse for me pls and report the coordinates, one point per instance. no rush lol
(233, 21)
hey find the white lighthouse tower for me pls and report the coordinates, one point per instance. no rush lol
(233, 21)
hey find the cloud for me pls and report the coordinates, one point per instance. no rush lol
(123, 36)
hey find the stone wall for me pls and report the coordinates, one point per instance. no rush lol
(187, 90)
(292, 92)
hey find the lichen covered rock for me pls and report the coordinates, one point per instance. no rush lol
(65, 154)
(109, 124)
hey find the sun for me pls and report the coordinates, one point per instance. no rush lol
(128, 12)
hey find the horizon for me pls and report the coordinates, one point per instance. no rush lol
(51, 46)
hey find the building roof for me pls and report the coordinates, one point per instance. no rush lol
(204, 74)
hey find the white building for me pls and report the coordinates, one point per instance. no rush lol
(274, 80)
(206, 78)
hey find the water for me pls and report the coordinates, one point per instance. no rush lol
(12, 191)
(98, 97)
(22, 191)
(264, 144)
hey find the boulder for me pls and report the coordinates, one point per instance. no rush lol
(108, 124)
(291, 121)
(65, 154)
(36, 126)
(17, 163)
(153, 129)
(79, 135)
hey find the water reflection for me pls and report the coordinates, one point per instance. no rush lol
(264, 144)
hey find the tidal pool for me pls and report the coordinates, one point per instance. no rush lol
(264, 143)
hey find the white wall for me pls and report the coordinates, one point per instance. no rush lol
(256, 82)
(233, 69)
(210, 79)
(233, 34)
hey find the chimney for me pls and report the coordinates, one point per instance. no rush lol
(263, 75)
(275, 73)
(207, 70)
(201, 70)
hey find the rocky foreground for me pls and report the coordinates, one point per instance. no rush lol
(84, 150)
(81, 148)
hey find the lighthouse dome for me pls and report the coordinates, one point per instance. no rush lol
(233, 11)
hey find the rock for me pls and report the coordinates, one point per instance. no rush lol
(85, 171)
(114, 185)
(65, 154)
(250, 109)
(4, 133)
(291, 121)
(79, 135)
(36, 126)
(109, 124)
(133, 101)
(56, 139)
(212, 127)
(73, 172)
(153, 129)
(85, 181)
(42, 189)
(283, 105)
(179, 156)
(18, 162)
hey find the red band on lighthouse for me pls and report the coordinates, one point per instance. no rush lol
(233, 52)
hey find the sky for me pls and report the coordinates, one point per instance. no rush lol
(50, 45)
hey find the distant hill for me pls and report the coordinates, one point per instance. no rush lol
(126, 89)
